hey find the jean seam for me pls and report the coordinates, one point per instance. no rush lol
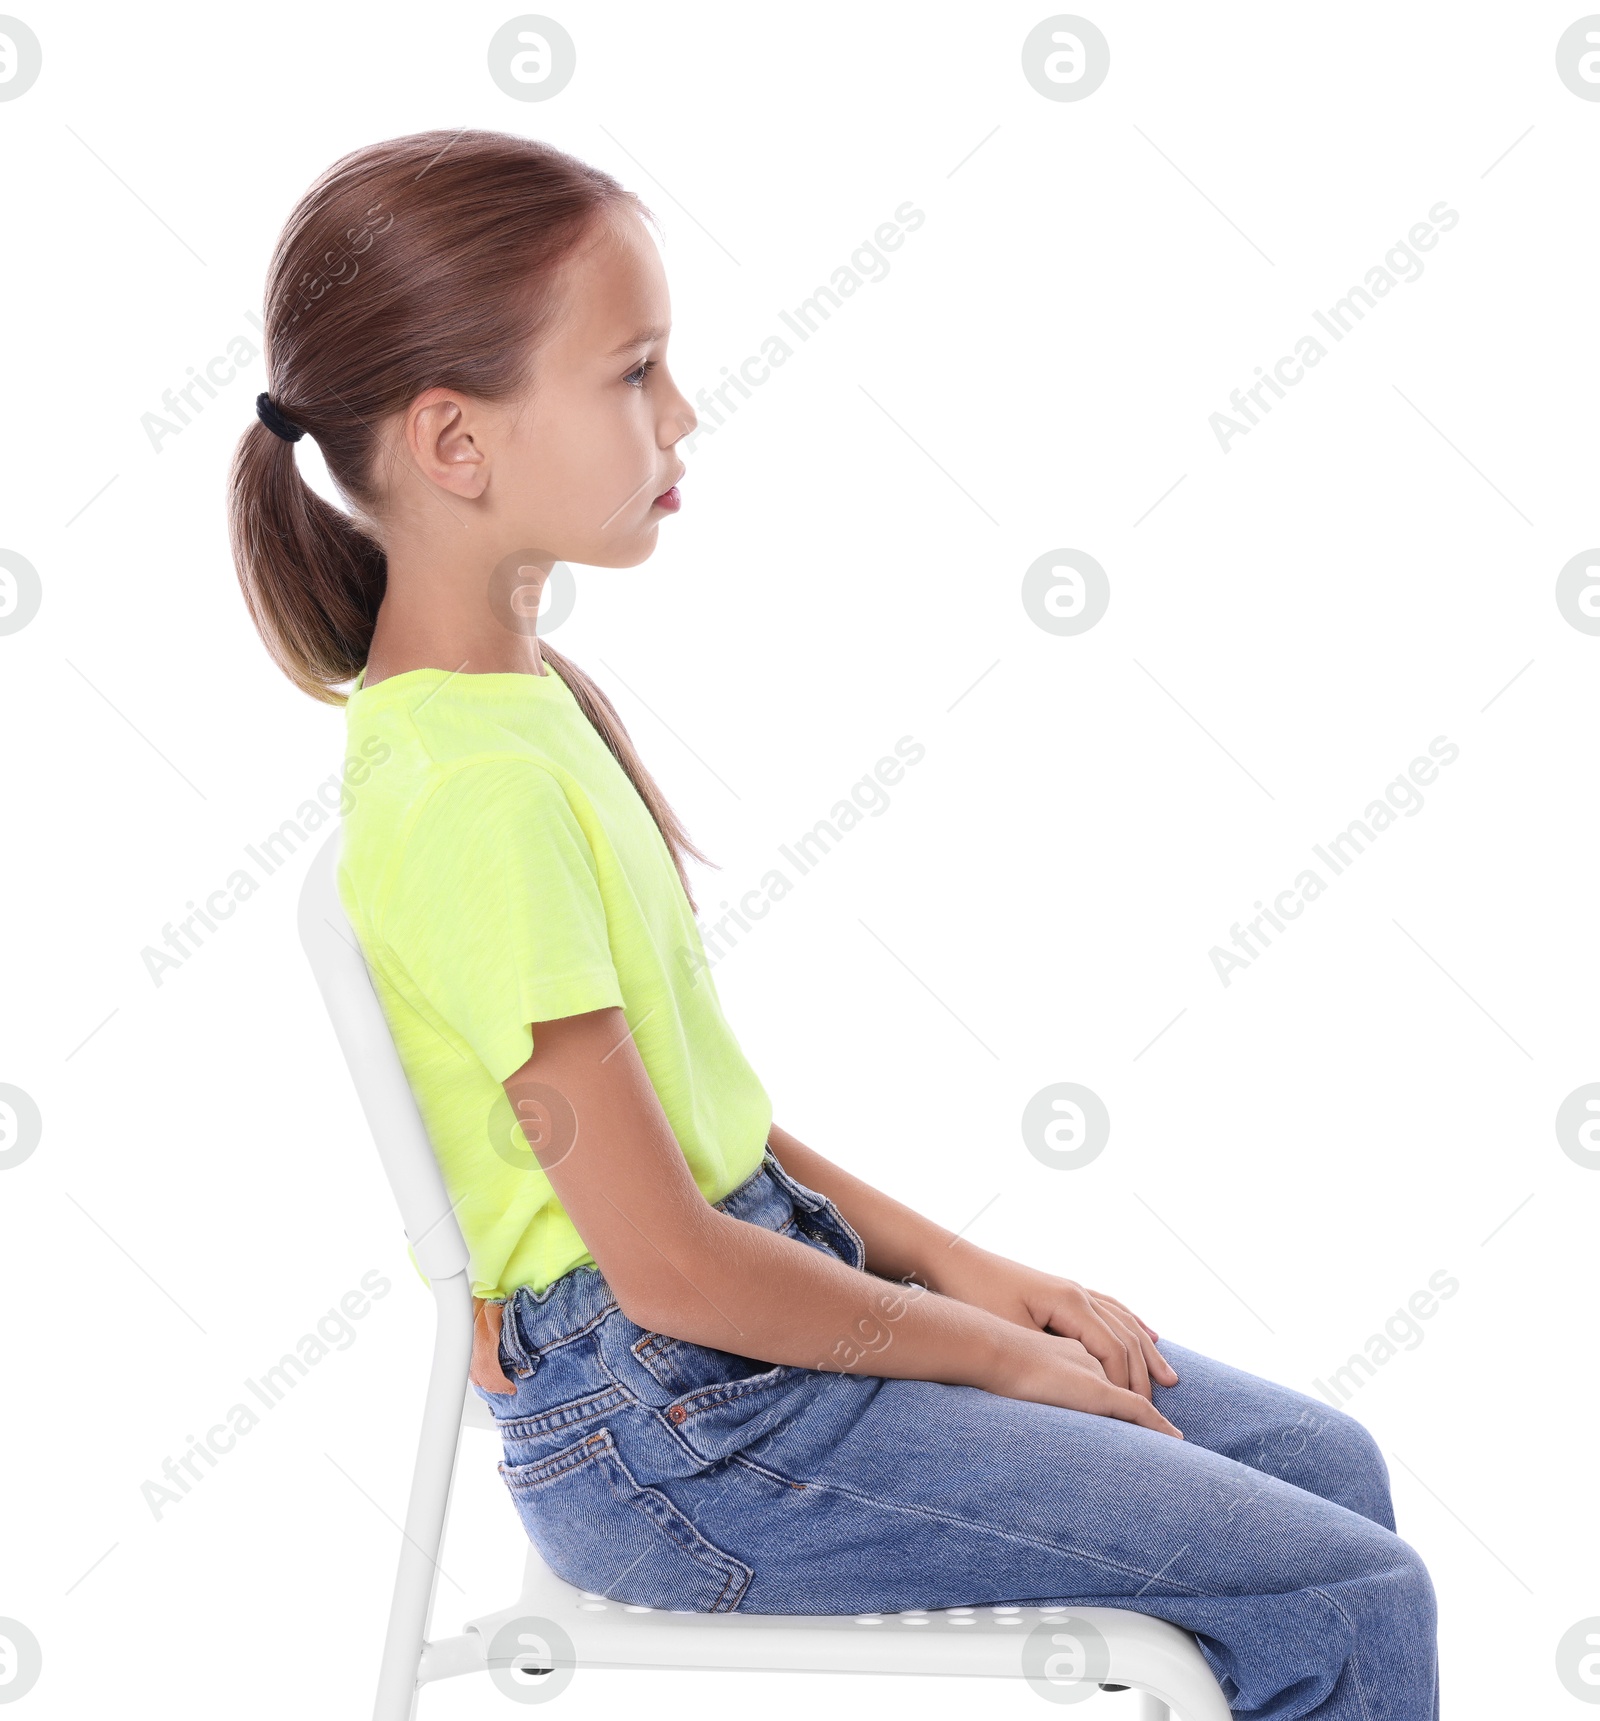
(761, 1470)
(1015, 1536)
(721, 1563)
(1355, 1654)
(860, 1261)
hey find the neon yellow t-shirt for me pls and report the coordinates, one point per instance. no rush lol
(500, 869)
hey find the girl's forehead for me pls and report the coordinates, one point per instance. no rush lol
(617, 287)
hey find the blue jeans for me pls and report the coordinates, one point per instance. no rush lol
(660, 1472)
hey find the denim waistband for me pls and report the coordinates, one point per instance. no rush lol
(537, 1320)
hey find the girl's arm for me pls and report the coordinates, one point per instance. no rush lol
(679, 1266)
(902, 1244)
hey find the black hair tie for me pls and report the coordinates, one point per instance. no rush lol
(275, 421)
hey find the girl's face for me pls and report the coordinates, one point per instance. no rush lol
(571, 470)
(589, 449)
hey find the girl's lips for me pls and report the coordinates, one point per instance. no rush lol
(670, 500)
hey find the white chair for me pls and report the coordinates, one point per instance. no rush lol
(553, 1628)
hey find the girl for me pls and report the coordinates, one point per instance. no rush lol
(729, 1375)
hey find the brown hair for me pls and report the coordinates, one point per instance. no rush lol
(458, 238)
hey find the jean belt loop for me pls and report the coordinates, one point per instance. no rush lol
(522, 1361)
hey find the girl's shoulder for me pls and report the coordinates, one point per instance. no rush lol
(414, 766)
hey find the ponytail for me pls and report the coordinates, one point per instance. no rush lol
(312, 579)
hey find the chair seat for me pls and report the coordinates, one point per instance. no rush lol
(984, 1642)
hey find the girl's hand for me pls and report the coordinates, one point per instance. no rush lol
(1108, 1330)
(1045, 1369)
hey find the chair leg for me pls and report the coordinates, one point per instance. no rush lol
(429, 1504)
(1152, 1708)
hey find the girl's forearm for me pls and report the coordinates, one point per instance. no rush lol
(739, 1287)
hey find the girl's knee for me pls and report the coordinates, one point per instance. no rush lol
(1410, 1616)
(1383, 1595)
(1352, 1465)
(1419, 1587)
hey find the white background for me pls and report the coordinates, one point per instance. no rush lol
(1291, 1155)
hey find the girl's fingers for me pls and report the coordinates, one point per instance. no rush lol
(1107, 1346)
(1160, 1369)
(1117, 1303)
(1100, 1296)
(1138, 1363)
(1130, 1407)
(1101, 1341)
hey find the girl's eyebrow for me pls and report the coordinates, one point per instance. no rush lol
(642, 339)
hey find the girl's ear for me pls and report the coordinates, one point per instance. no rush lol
(438, 436)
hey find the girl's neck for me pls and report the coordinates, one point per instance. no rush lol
(403, 640)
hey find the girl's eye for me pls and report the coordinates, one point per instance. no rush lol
(641, 373)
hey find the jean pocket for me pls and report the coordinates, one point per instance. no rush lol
(600, 1530)
(681, 1367)
(529, 1437)
(657, 1368)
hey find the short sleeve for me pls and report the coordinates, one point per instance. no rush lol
(495, 910)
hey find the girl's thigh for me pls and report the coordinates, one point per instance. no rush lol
(874, 1494)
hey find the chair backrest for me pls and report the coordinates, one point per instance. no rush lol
(340, 966)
